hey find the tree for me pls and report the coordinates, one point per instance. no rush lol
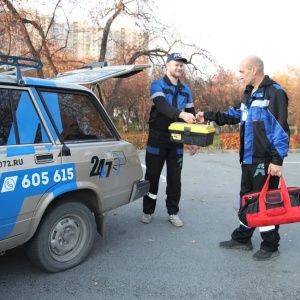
(223, 90)
(155, 43)
(290, 81)
(141, 13)
(39, 41)
(219, 93)
(133, 102)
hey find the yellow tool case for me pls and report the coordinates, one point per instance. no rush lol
(192, 134)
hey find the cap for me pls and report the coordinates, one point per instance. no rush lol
(176, 56)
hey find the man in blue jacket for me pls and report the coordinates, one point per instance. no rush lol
(171, 102)
(264, 142)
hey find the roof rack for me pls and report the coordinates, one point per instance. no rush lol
(13, 65)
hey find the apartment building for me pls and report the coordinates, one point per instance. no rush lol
(81, 40)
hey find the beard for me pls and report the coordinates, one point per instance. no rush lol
(176, 74)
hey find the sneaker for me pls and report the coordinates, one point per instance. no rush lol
(174, 219)
(146, 218)
(232, 244)
(262, 255)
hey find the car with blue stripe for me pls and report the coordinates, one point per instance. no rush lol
(63, 164)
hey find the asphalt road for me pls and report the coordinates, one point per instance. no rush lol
(158, 261)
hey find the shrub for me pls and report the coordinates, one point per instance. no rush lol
(232, 141)
(224, 141)
(229, 141)
(139, 140)
(295, 141)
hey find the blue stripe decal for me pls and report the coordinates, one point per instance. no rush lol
(52, 102)
(118, 164)
(39, 81)
(27, 120)
(49, 147)
(103, 171)
(17, 186)
(63, 189)
(20, 151)
(153, 150)
(46, 117)
(278, 87)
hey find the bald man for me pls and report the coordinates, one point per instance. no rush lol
(264, 143)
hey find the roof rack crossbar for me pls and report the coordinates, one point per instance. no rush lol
(8, 61)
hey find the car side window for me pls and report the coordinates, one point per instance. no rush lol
(6, 117)
(19, 120)
(77, 117)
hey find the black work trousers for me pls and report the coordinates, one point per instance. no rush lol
(156, 156)
(252, 180)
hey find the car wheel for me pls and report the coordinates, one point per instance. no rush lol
(64, 237)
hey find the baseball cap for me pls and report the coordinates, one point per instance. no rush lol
(176, 56)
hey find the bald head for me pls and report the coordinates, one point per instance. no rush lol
(254, 61)
(252, 70)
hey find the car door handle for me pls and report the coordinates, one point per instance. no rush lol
(44, 158)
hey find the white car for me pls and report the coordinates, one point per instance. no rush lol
(63, 164)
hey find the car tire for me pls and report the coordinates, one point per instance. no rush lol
(64, 237)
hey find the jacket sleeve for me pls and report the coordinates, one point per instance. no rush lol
(165, 108)
(230, 117)
(158, 98)
(278, 108)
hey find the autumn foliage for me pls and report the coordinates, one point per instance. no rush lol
(228, 141)
(31, 34)
(295, 141)
(231, 141)
(138, 140)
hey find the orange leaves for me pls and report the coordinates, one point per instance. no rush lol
(139, 140)
(295, 141)
(230, 141)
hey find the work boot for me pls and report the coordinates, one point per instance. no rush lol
(262, 255)
(232, 244)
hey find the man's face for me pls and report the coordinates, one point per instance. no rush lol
(175, 68)
(247, 73)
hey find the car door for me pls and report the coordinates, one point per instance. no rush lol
(91, 144)
(29, 158)
(111, 164)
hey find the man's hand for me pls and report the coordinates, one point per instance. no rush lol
(275, 170)
(193, 149)
(187, 117)
(200, 117)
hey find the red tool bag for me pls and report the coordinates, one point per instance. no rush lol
(271, 207)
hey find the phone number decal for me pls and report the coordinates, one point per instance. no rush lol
(39, 179)
(36, 179)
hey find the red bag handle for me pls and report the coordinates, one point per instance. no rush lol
(263, 193)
